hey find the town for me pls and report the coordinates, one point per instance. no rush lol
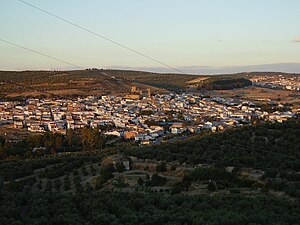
(145, 119)
(277, 82)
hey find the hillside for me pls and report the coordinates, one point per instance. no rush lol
(273, 147)
(86, 82)
(147, 209)
(247, 175)
(170, 81)
(224, 83)
(95, 82)
(59, 83)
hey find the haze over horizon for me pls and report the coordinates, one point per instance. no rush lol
(202, 37)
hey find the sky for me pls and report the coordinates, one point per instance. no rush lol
(195, 36)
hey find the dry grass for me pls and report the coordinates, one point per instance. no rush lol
(259, 94)
(197, 80)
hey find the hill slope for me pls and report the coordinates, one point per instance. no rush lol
(94, 81)
(86, 82)
(45, 193)
(224, 83)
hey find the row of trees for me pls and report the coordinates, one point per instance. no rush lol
(85, 139)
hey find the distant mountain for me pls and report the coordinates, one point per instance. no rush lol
(214, 70)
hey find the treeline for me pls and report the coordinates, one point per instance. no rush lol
(85, 139)
(273, 148)
(147, 209)
(224, 83)
(270, 108)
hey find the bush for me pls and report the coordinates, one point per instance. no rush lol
(161, 167)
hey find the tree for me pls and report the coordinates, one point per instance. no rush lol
(1, 183)
(58, 142)
(161, 167)
(57, 184)
(157, 180)
(140, 181)
(91, 139)
(120, 167)
(211, 186)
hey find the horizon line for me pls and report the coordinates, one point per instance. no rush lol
(192, 70)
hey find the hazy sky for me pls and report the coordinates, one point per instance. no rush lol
(182, 33)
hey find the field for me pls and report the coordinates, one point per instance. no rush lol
(260, 94)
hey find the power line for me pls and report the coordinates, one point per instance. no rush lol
(98, 35)
(34, 89)
(101, 36)
(45, 55)
(40, 53)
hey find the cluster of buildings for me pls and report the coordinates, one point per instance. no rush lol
(278, 82)
(145, 119)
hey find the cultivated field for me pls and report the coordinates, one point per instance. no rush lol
(260, 94)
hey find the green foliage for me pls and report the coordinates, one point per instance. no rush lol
(98, 182)
(224, 83)
(161, 167)
(204, 174)
(49, 185)
(157, 180)
(270, 147)
(67, 183)
(211, 187)
(126, 209)
(57, 184)
(85, 139)
(177, 188)
(120, 167)
(107, 172)
(13, 186)
(91, 139)
(51, 167)
(140, 181)
(270, 108)
(84, 171)
(173, 168)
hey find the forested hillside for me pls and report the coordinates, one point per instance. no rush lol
(271, 147)
(87, 208)
(224, 83)
(78, 187)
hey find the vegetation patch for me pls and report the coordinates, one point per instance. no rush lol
(224, 83)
